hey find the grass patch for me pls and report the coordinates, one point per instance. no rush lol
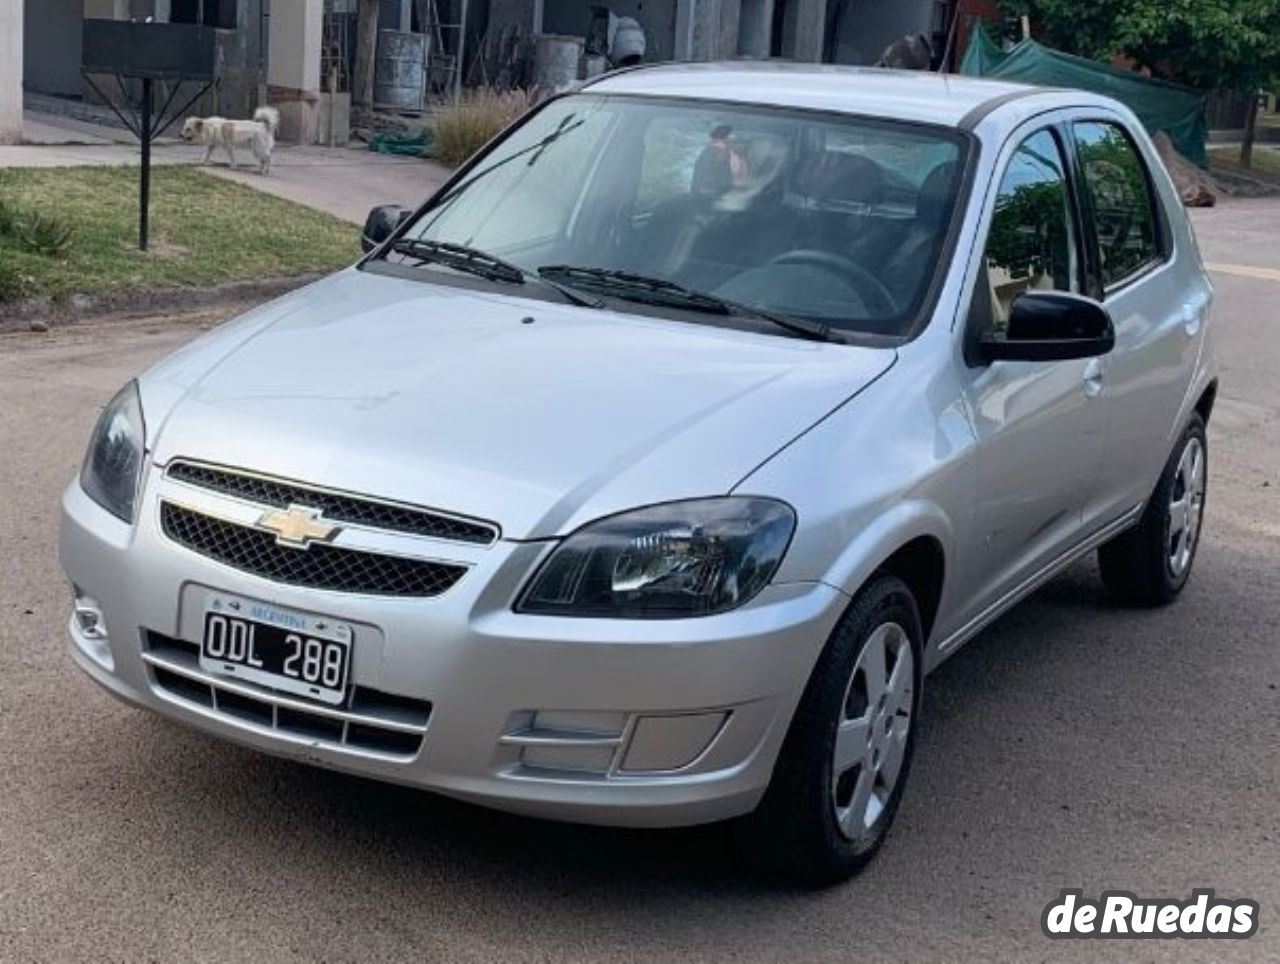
(1265, 160)
(204, 231)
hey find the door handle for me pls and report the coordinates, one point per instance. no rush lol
(1093, 377)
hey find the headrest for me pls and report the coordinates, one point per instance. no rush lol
(935, 194)
(836, 176)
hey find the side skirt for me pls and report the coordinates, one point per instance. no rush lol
(1043, 575)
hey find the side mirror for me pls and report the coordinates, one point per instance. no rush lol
(1050, 326)
(380, 224)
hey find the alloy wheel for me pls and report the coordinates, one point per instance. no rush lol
(871, 738)
(1186, 505)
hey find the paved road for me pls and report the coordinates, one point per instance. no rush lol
(1070, 745)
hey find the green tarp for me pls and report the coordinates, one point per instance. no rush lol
(1159, 104)
(416, 144)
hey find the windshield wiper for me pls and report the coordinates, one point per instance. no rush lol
(535, 151)
(638, 287)
(461, 257)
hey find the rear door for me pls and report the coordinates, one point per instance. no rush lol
(1143, 269)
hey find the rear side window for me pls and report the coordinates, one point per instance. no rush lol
(1118, 188)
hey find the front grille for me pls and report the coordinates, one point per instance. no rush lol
(369, 721)
(335, 506)
(320, 566)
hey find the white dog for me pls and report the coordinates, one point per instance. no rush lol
(259, 135)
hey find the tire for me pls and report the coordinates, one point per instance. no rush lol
(1149, 564)
(798, 831)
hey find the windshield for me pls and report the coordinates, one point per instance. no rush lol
(836, 220)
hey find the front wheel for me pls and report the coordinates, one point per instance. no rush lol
(840, 774)
(1149, 564)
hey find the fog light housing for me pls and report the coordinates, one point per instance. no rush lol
(89, 620)
(661, 744)
(573, 759)
(89, 630)
(569, 741)
(612, 743)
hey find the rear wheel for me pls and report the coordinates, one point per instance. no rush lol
(1149, 564)
(840, 774)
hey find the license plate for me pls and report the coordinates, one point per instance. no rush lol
(294, 652)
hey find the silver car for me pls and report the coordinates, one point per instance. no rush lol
(640, 476)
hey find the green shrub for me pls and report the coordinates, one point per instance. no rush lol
(12, 283)
(43, 234)
(463, 127)
(8, 217)
(34, 231)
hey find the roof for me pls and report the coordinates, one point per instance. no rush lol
(872, 91)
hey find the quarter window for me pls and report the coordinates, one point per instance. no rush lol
(1032, 241)
(1118, 189)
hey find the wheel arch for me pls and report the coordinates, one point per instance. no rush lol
(1204, 404)
(920, 563)
(912, 540)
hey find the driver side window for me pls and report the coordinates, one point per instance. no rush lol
(1032, 242)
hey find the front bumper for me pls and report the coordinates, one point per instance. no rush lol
(636, 723)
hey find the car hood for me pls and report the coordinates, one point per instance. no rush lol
(536, 416)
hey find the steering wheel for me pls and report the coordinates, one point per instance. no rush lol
(881, 301)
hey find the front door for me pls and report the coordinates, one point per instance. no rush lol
(1040, 425)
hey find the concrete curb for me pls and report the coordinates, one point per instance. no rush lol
(39, 314)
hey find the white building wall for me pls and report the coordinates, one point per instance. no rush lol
(293, 58)
(293, 67)
(10, 71)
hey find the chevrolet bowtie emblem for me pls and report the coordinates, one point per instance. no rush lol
(298, 526)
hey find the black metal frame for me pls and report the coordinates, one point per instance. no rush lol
(144, 129)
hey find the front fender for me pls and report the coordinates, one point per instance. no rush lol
(884, 535)
(894, 464)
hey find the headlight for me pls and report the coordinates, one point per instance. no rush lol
(112, 467)
(680, 559)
